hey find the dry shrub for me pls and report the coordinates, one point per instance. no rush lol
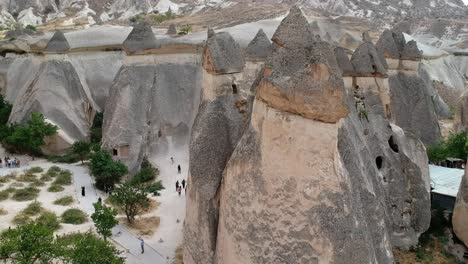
(144, 226)
(179, 255)
(3, 211)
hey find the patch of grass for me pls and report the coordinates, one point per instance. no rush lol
(45, 178)
(53, 171)
(26, 177)
(74, 216)
(67, 158)
(9, 177)
(37, 183)
(35, 170)
(33, 208)
(4, 195)
(5, 179)
(49, 219)
(26, 194)
(144, 226)
(55, 188)
(64, 177)
(3, 211)
(10, 189)
(21, 219)
(66, 200)
(17, 185)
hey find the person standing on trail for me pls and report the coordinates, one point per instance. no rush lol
(83, 191)
(177, 186)
(178, 168)
(99, 200)
(183, 183)
(142, 245)
(179, 190)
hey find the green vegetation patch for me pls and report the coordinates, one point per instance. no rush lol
(64, 177)
(33, 208)
(25, 194)
(74, 216)
(66, 200)
(49, 219)
(4, 195)
(55, 188)
(35, 170)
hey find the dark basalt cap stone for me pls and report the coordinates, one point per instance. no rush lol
(141, 38)
(58, 43)
(260, 47)
(223, 54)
(293, 31)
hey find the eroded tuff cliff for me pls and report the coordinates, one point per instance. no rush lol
(460, 212)
(313, 179)
(222, 117)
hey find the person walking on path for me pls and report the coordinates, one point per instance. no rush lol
(99, 200)
(177, 186)
(178, 168)
(183, 183)
(83, 191)
(179, 190)
(142, 245)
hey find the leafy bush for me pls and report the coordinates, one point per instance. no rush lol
(147, 172)
(33, 208)
(106, 171)
(17, 184)
(29, 137)
(10, 190)
(66, 200)
(55, 188)
(154, 188)
(455, 146)
(168, 15)
(5, 110)
(49, 220)
(96, 129)
(4, 195)
(53, 171)
(67, 158)
(63, 178)
(26, 194)
(36, 183)
(35, 170)
(74, 216)
(185, 30)
(31, 27)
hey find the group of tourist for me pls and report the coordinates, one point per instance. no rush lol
(180, 186)
(10, 163)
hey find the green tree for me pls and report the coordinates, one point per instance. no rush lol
(5, 110)
(96, 129)
(87, 248)
(81, 149)
(29, 138)
(106, 171)
(104, 219)
(29, 243)
(132, 199)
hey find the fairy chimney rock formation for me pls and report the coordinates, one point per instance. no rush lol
(140, 39)
(222, 54)
(460, 212)
(343, 62)
(259, 48)
(172, 30)
(58, 43)
(367, 62)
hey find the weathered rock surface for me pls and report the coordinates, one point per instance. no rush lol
(286, 34)
(149, 107)
(260, 47)
(343, 61)
(367, 62)
(460, 212)
(141, 38)
(412, 109)
(58, 43)
(71, 110)
(172, 30)
(222, 54)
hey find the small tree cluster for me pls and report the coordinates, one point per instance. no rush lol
(104, 219)
(35, 243)
(455, 146)
(132, 199)
(146, 177)
(106, 171)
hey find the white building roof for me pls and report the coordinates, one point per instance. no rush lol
(445, 180)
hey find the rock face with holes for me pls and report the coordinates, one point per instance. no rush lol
(460, 212)
(222, 117)
(411, 105)
(58, 82)
(151, 106)
(294, 189)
